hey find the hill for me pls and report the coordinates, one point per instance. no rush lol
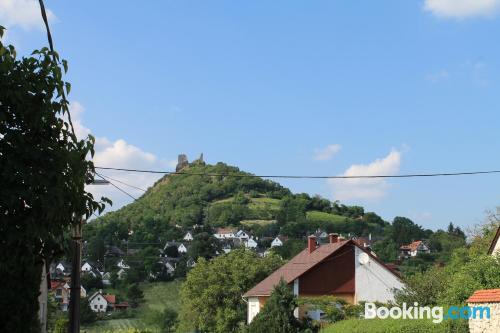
(221, 195)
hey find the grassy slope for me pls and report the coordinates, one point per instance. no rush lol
(325, 217)
(157, 297)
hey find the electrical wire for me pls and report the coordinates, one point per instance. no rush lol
(121, 182)
(117, 187)
(414, 175)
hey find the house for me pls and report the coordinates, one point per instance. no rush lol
(278, 241)
(121, 273)
(121, 306)
(251, 243)
(86, 267)
(339, 268)
(62, 293)
(188, 237)
(242, 235)
(488, 301)
(169, 264)
(122, 264)
(100, 303)
(363, 241)
(106, 279)
(181, 248)
(413, 249)
(225, 233)
(495, 244)
(319, 234)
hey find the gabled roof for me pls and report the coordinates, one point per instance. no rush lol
(495, 240)
(110, 298)
(413, 246)
(225, 230)
(302, 263)
(485, 296)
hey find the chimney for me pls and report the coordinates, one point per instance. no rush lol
(311, 243)
(334, 238)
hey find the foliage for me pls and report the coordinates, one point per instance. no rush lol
(211, 295)
(204, 245)
(87, 316)
(386, 249)
(135, 295)
(424, 287)
(277, 315)
(334, 308)
(404, 231)
(169, 321)
(397, 326)
(91, 282)
(290, 248)
(43, 172)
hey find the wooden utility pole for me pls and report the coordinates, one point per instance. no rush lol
(74, 301)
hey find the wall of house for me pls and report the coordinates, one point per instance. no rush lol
(492, 325)
(99, 304)
(374, 282)
(253, 308)
(334, 276)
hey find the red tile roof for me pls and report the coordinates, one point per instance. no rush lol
(485, 296)
(110, 298)
(413, 246)
(225, 231)
(300, 264)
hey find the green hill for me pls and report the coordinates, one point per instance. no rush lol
(220, 195)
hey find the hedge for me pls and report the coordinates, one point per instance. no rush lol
(397, 326)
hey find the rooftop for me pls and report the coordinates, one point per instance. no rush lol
(485, 296)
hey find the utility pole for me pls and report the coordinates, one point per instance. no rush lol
(75, 288)
(74, 301)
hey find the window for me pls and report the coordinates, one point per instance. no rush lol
(58, 292)
(100, 306)
(95, 306)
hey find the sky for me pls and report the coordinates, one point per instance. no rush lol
(288, 87)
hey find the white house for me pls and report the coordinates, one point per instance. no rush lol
(251, 243)
(86, 267)
(277, 242)
(106, 279)
(340, 268)
(188, 237)
(182, 248)
(60, 267)
(121, 273)
(242, 235)
(99, 302)
(122, 264)
(225, 233)
(413, 249)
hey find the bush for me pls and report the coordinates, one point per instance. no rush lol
(397, 326)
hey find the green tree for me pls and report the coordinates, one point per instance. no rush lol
(43, 171)
(277, 315)
(386, 249)
(135, 295)
(211, 295)
(204, 245)
(405, 231)
(169, 320)
(87, 316)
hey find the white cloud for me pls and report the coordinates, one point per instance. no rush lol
(324, 154)
(362, 188)
(122, 154)
(23, 13)
(462, 8)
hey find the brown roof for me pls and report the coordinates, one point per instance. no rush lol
(495, 240)
(485, 296)
(110, 298)
(413, 246)
(300, 264)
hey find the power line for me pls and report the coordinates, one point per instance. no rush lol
(117, 187)
(121, 182)
(415, 175)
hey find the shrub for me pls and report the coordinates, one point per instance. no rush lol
(397, 326)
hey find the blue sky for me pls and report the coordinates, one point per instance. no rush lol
(290, 87)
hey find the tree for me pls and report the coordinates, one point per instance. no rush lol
(43, 171)
(170, 320)
(386, 249)
(277, 315)
(405, 231)
(135, 295)
(211, 295)
(87, 316)
(204, 245)
(91, 282)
